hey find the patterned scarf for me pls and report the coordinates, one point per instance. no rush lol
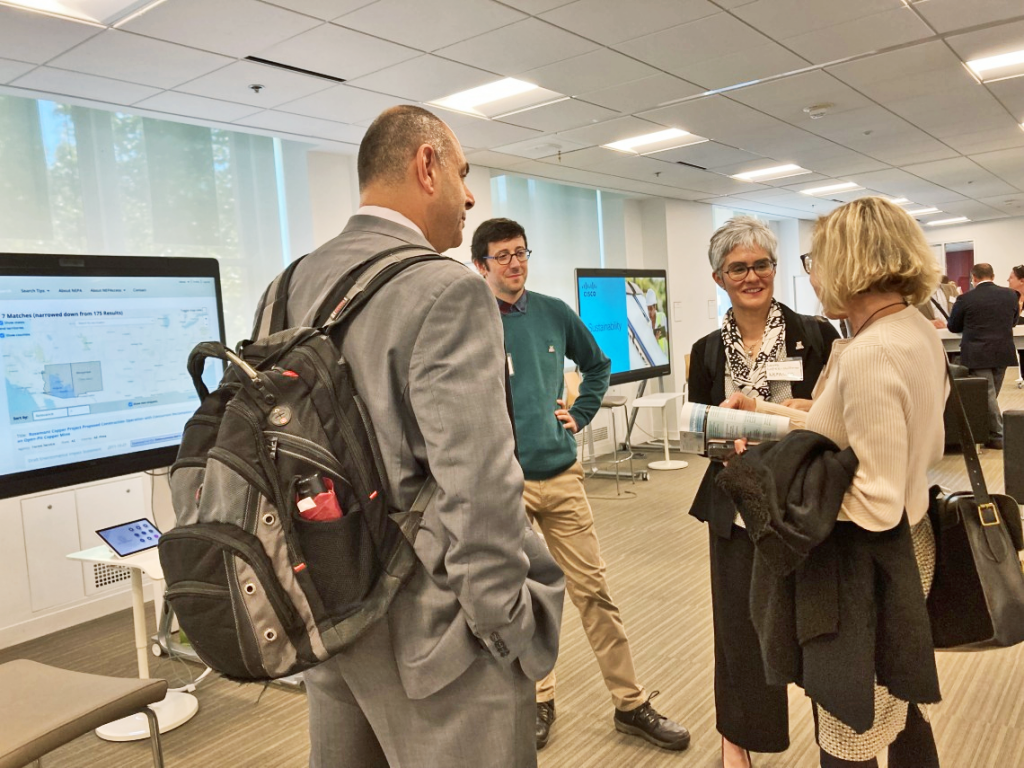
(752, 381)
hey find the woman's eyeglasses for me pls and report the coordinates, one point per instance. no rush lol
(806, 260)
(761, 268)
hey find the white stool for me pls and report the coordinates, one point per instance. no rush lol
(661, 400)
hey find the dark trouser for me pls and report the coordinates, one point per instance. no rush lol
(749, 712)
(994, 377)
(913, 748)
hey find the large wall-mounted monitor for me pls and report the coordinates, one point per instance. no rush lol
(627, 312)
(93, 351)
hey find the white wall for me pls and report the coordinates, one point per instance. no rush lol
(333, 192)
(1000, 243)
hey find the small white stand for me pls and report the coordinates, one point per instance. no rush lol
(176, 708)
(661, 401)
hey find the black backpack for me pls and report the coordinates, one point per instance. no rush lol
(261, 591)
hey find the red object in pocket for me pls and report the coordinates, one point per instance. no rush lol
(322, 507)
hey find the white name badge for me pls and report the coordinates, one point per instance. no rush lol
(786, 370)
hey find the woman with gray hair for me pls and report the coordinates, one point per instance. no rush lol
(757, 334)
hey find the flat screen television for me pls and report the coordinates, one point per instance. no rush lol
(93, 351)
(627, 312)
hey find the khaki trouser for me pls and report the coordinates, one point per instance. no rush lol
(560, 508)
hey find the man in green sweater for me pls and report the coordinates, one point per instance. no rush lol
(540, 332)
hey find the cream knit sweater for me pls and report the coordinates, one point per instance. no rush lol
(882, 394)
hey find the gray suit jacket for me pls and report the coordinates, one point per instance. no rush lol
(428, 358)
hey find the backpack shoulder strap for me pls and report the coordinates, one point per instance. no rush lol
(274, 315)
(361, 283)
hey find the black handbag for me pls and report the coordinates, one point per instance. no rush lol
(977, 596)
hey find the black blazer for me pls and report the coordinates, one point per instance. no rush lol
(985, 317)
(707, 386)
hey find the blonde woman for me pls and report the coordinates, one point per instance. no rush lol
(881, 394)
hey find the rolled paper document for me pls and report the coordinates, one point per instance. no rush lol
(715, 423)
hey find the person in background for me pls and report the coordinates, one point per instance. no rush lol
(881, 394)
(540, 332)
(985, 317)
(1016, 283)
(757, 334)
(658, 319)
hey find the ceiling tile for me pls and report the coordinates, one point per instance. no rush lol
(561, 116)
(425, 78)
(1006, 164)
(784, 19)
(646, 93)
(972, 209)
(139, 59)
(35, 38)
(338, 52)
(342, 104)
(853, 38)
(232, 27)
(63, 83)
(489, 158)
(611, 130)
(898, 183)
(962, 175)
(299, 125)
(714, 52)
(196, 106)
(430, 24)
(1010, 204)
(535, 7)
(540, 147)
(613, 21)
(519, 47)
(1005, 38)
(232, 84)
(710, 154)
(787, 98)
(1011, 94)
(948, 15)
(9, 70)
(478, 133)
(987, 141)
(590, 157)
(321, 9)
(589, 72)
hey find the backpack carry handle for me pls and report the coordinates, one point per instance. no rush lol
(197, 362)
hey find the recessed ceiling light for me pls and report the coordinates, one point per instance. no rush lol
(1000, 67)
(846, 186)
(923, 211)
(770, 174)
(956, 220)
(659, 141)
(99, 12)
(500, 98)
(898, 200)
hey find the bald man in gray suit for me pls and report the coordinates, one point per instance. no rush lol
(446, 679)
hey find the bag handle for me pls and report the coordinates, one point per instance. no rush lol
(988, 512)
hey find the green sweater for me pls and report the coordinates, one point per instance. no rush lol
(537, 342)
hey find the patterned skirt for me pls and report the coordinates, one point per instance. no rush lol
(836, 737)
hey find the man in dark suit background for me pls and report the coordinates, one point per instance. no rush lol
(985, 316)
(446, 678)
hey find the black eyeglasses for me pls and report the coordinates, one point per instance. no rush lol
(806, 261)
(761, 268)
(505, 257)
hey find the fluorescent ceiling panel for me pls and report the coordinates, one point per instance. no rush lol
(1000, 67)
(770, 174)
(659, 141)
(94, 11)
(832, 189)
(956, 220)
(502, 97)
(924, 211)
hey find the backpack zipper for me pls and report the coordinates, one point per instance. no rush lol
(348, 434)
(307, 450)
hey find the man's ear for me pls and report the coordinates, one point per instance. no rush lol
(427, 168)
(481, 268)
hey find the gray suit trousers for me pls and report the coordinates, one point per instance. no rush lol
(361, 717)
